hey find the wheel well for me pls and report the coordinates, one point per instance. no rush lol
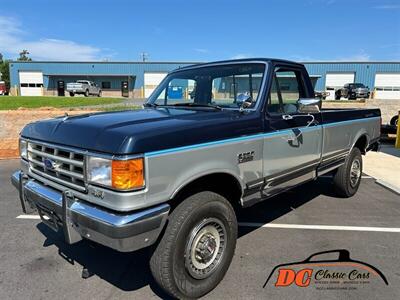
(221, 183)
(362, 144)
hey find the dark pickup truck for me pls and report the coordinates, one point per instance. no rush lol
(353, 91)
(173, 174)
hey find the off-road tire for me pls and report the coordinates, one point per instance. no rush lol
(72, 94)
(87, 93)
(168, 261)
(342, 182)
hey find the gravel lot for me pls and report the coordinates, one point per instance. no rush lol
(37, 264)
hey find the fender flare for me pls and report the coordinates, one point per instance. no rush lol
(193, 178)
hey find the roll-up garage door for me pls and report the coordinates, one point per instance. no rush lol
(151, 81)
(335, 81)
(31, 83)
(387, 86)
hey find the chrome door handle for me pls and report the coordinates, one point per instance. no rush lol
(287, 117)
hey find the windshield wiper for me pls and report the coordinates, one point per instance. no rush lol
(148, 104)
(191, 104)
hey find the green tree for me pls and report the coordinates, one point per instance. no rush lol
(23, 56)
(5, 71)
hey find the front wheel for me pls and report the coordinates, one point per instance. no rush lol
(99, 94)
(197, 247)
(348, 177)
(87, 93)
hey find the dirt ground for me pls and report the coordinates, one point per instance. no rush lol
(12, 122)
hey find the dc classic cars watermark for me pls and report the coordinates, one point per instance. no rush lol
(343, 273)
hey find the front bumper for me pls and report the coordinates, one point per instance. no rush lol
(77, 219)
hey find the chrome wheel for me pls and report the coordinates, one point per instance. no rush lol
(205, 248)
(355, 172)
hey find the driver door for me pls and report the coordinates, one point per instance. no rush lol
(293, 140)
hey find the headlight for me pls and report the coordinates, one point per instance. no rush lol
(99, 170)
(117, 174)
(23, 149)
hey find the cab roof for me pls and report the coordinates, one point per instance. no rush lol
(244, 60)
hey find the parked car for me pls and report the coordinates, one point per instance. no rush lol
(3, 88)
(83, 87)
(321, 95)
(170, 175)
(353, 91)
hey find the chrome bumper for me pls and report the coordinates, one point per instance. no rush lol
(77, 219)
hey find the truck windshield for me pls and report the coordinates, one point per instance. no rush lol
(223, 86)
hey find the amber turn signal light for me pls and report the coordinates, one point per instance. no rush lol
(127, 174)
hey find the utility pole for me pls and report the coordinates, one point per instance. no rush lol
(144, 56)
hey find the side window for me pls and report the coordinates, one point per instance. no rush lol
(178, 89)
(287, 88)
(225, 90)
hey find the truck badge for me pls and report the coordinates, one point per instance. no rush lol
(245, 157)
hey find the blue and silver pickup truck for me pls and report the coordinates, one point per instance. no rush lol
(173, 174)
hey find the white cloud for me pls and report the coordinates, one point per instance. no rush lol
(13, 40)
(360, 56)
(388, 6)
(241, 56)
(201, 50)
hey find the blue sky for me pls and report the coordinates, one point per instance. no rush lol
(194, 30)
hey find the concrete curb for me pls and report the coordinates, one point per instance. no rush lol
(388, 186)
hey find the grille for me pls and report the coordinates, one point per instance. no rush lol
(59, 165)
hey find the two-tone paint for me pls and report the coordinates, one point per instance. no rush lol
(180, 145)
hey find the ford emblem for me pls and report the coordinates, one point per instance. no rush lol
(49, 164)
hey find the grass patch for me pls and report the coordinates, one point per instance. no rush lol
(15, 102)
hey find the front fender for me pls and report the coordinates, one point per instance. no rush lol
(203, 170)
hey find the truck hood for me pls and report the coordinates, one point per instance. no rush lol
(141, 131)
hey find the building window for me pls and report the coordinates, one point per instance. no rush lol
(106, 85)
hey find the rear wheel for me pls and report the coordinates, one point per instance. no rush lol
(71, 94)
(197, 246)
(348, 177)
(99, 94)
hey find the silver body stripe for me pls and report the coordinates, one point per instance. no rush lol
(167, 171)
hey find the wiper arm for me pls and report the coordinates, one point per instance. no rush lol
(191, 104)
(147, 104)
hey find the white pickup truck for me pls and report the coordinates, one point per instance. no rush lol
(84, 87)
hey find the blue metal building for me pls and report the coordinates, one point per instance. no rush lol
(42, 78)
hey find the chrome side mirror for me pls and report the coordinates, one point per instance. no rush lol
(309, 105)
(245, 100)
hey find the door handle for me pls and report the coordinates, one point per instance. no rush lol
(287, 117)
